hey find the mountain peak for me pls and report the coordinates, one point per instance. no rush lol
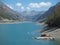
(58, 3)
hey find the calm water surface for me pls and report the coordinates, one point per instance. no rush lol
(22, 34)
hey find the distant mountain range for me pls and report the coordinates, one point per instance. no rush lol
(36, 16)
(7, 13)
(32, 15)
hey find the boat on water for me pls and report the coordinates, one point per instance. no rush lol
(44, 37)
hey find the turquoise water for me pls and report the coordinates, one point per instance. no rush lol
(22, 34)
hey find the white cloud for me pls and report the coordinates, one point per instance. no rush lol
(19, 4)
(33, 5)
(22, 8)
(28, 8)
(45, 4)
(10, 6)
(39, 5)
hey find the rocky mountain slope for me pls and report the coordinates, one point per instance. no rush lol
(53, 18)
(7, 13)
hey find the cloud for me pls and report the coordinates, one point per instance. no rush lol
(45, 4)
(19, 4)
(10, 6)
(28, 8)
(33, 5)
(22, 8)
(39, 5)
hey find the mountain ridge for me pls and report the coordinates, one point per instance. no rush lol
(7, 13)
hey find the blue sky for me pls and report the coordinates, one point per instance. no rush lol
(22, 5)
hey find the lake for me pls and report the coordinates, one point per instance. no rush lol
(22, 34)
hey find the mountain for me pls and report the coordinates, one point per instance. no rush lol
(36, 16)
(32, 15)
(51, 11)
(53, 18)
(46, 14)
(7, 13)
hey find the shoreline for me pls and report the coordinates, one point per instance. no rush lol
(17, 22)
(55, 33)
(10, 22)
(14, 22)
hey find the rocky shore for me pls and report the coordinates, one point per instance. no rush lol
(55, 33)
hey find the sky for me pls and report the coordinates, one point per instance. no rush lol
(28, 5)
